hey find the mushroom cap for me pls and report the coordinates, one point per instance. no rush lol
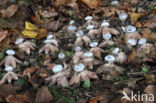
(123, 16)
(123, 28)
(116, 50)
(78, 48)
(105, 24)
(79, 33)
(19, 41)
(114, 2)
(71, 22)
(88, 18)
(130, 28)
(10, 52)
(132, 42)
(57, 68)
(8, 68)
(110, 58)
(61, 55)
(89, 27)
(50, 36)
(88, 54)
(142, 41)
(79, 67)
(107, 36)
(48, 41)
(72, 28)
(93, 44)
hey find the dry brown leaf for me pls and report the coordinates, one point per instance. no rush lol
(52, 26)
(42, 33)
(151, 23)
(148, 34)
(77, 56)
(63, 2)
(138, 25)
(3, 2)
(134, 17)
(3, 35)
(134, 2)
(91, 3)
(121, 57)
(19, 98)
(150, 78)
(6, 90)
(10, 11)
(111, 71)
(130, 57)
(43, 96)
(30, 70)
(150, 89)
(49, 14)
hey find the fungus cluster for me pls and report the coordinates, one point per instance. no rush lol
(51, 45)
(89, 54)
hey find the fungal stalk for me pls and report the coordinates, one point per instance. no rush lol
(123, 16)
(81, 38)
(61, 73)
(25, 46)
(109, 69)
(96, 50)
(9, 76)
(90, 24)
(10, 60)
(51, 45)
(131, 36)
(107, 41)
(103, 30)
(80, 74)
(71, 27)
(120, 57)
(88, 60)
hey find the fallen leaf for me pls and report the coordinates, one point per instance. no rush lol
(134, 2)
(151, 23)
(10, 11)
(30, 30)
(43, 96)
(3, 35)
(63, 2)
(95, 100)
(8, 23)
(42, 33)
(30, 26)
(30, 70)
(135, 17)
(19, 98)
(148, 34)
(6, 90)
(150, 78)
(150, 89)
(52, 26)
(3, 2)
(138, 25)
(91, 3)
(30, 34)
